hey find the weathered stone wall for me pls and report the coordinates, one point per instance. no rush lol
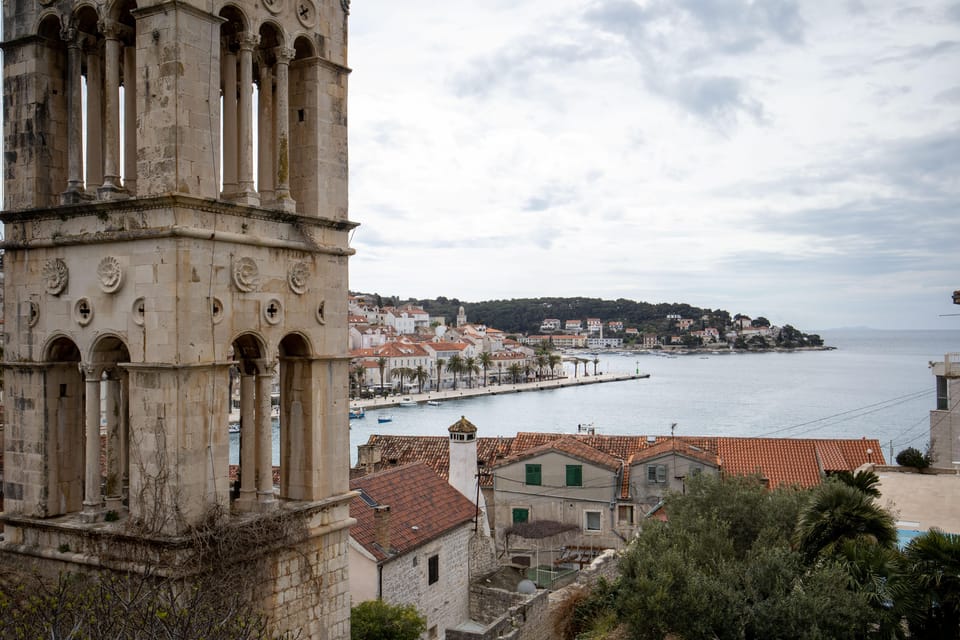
(444, 603)
(508, 616)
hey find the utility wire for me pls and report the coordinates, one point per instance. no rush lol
(876, 406)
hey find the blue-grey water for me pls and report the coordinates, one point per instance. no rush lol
(876, 384)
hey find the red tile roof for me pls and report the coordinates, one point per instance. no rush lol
(570, 446)
(782, 461)
(423, 507)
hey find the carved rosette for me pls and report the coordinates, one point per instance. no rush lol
(246, 274)
(55, 276)
(110, 274)
(298, 276)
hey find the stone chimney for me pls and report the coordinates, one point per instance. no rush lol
(463, 474)
(381, 526)
(369, 456)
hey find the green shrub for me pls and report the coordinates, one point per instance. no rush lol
(911, 457)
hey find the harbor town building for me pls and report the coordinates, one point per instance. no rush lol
(151, 262)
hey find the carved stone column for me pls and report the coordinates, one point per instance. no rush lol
(265, 171)
(92, 502)
(111, 111)
(246, 193)
(230, 130)
(74, 117)
(282, 195)
(94, 118)
(248, 443)
(265, 437)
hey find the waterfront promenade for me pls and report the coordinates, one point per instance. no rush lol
(494, 389)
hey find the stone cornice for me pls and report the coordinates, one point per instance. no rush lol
(140, 205)
(163, 7)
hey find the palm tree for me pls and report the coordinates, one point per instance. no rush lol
(541, 360)
(596, 361)
(838, 513)
(421, 375)
(486, 361)
(554, 359)
(356, 376)
(455, 366)
(515, 370)
(527, 369)
(440, 362)
(865, 481)
(381, 365)
(933, 560)
(470, 367)
(401, 372)
(500, 373)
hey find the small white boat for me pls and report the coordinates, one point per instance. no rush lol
(357, 412)
(433, 403)
(234, 427)
(407, 401)
(382, 419)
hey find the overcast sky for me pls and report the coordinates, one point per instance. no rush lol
(796, 160)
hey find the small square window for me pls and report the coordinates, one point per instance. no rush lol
(533, 474)
(521, 515)
(625, 514)
(433, 569)
(574, 475)
(592, 521)
(656, 473)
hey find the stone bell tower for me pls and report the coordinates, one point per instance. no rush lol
(175, 224)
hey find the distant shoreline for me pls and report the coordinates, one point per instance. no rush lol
(493, 390)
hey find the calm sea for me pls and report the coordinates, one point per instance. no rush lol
(876, 384)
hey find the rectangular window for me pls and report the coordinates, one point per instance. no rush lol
(625, 514)
(656, 473)
(592, 520)
(521, 515)
(533, 474)
(695, 470)
(942, 403)
(574, 475)
(433, 569)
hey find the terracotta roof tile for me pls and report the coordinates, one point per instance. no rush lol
(570, 446)
(423, 507)
(780, 460)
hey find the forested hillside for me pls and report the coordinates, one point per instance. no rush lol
(524, 315)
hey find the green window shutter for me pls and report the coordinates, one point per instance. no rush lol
(574, 475)
(533, 474)
(521, 515)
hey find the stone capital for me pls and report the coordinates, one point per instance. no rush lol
(284, 54)
(248, 41)
(90, 372)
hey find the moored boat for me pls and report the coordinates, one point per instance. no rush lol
(382, 419)
(357, 412)
(407, 401)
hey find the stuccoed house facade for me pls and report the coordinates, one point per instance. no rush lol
(566, 482)
(659, 469)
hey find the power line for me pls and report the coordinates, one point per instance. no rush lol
(876, 406)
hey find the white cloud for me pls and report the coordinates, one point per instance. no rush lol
(794, 160)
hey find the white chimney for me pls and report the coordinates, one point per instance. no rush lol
(463, 474)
